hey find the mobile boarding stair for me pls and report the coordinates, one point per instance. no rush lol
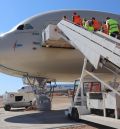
(99, 49)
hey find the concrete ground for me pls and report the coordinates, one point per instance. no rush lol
(55, 119)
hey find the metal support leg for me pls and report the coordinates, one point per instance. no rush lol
(80, 86)
(104, 109)
(116, 113)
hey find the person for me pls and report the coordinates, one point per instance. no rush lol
(118, 36)
(112, 26)
(83, 22)
(89, 25)
(79, 22)
(77, 19)
(96, 24)
(64, 17)
(104, 28)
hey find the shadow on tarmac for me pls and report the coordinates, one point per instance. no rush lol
(43, 117)
(48, 117)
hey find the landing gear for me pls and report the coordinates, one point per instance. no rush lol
(43, 96)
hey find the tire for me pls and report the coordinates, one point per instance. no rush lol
(7, 107)
(75, 115)
(26, 107)
(69, 117)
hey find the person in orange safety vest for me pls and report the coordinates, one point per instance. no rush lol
(96, 24)
(104, 28)
(77, 19)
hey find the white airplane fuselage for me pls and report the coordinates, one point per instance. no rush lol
(21, 51)
(43, 62)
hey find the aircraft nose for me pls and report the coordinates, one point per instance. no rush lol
(1, 42)
(6, 40)
(6, 49)
(2, 45)
(5, 44)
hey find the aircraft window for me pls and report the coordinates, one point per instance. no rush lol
(28, 26)
(20, 27)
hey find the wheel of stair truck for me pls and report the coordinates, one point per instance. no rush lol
(75, 115)
(7, 107)
(69, 117)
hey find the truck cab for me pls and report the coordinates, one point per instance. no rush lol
(79, 98)
(17, 100)
(94, 102)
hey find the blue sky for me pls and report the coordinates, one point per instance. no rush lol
(14, 11)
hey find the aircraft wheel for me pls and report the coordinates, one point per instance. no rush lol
(7, 107)
(26, 107)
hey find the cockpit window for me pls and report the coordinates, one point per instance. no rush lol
(24, 27)
(20, 27)
(28, 26)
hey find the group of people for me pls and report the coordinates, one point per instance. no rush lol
(109, 26)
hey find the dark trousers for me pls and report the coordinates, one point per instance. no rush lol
(118, 36)
(114, 34)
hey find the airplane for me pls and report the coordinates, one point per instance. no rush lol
(25, 54)
(77, 53)
(22, 53)
(58, 88)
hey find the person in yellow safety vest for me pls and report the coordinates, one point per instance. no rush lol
(89, 25)
(112, 26)
(118, 37)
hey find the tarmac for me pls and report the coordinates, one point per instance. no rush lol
(54, 119)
